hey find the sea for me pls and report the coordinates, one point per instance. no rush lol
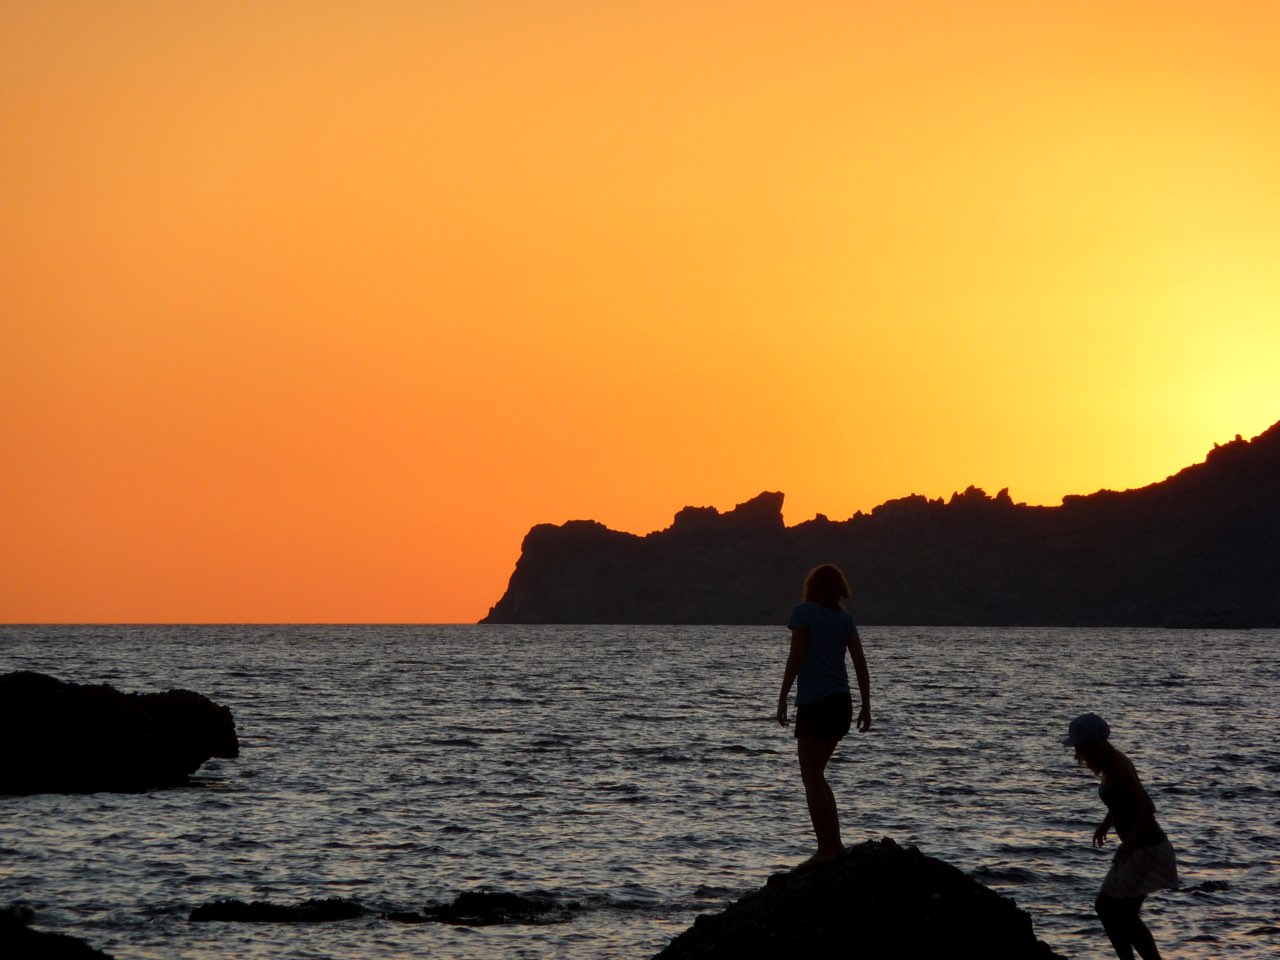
(639, 773)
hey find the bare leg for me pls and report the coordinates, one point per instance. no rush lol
(1120, 918)
(1111, 913)
(814, 754)
(1140, 936)
(1144, 942)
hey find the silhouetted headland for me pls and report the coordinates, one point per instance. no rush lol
(877, 902)
(73, 738)
(1199, 549)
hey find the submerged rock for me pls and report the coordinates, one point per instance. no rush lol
(878, 902)
(259, 911)
(485, 908)
(65, 737)
(19, 942)
(479, 908)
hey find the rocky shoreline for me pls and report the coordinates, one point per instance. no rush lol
(879, 902)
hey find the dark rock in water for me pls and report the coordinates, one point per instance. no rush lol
(19, 942)
(484, 908)
(481, 908)
(70, 738)
(1207, 886)
(259, 911)
(878, 902)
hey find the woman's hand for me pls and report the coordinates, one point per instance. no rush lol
(782, 711)
(864, 718)
(1100, 835)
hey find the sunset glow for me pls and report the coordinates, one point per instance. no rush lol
(308, 311)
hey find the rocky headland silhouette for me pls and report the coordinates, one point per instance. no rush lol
(1199, 549)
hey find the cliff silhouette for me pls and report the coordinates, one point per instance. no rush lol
(1199, 549)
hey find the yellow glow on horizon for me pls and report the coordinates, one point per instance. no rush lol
(311, 310)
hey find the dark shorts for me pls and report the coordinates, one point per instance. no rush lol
(826, 719)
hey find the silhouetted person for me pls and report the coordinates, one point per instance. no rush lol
(1144, 862)
(821, 632)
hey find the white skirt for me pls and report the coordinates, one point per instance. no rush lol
(1142, 871)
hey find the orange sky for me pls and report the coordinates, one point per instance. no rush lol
(309, 310)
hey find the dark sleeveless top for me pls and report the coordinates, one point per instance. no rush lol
(1124, 811)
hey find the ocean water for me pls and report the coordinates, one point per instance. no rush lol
(639, 771)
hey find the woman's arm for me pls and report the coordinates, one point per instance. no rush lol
(864, 680)
(799, 636)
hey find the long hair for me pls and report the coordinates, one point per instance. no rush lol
(826, 585)
(1095, 755)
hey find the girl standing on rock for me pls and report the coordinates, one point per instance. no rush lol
(1144, 862)
(821, 632)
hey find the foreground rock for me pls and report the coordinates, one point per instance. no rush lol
(71, 738)
(19, 942)
(259, 911)
(879, 902)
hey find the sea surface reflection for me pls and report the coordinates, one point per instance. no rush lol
(639, 771)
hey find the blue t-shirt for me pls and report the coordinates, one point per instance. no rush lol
(822, 671)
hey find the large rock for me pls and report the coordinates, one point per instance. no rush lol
(65, 737)
(879, 902)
